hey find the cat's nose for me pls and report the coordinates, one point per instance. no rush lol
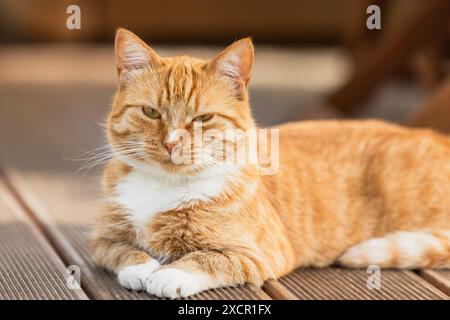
(170, 145)
(172, 139)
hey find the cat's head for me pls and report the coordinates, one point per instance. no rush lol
(159, 97)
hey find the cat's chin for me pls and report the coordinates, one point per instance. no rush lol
(171, 167)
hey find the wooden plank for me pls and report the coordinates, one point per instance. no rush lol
(279, 292)
(49, 124)
(342, 284)
(29, 267)
(439, 278)
(248, 292)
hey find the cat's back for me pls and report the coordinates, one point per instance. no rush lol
(323, 132)
(353, 138)
(330, 154)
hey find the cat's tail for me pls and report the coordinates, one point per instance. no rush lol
(402, 249)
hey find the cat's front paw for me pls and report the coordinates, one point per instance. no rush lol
(176, 283)
(135, 276)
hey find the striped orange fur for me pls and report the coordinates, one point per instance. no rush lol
(350, 192)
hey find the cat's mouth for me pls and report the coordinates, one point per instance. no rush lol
(177, 161)
(165, 163)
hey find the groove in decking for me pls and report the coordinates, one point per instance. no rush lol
(29, 267)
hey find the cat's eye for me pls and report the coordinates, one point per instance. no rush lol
(205, 117)
(151, 113)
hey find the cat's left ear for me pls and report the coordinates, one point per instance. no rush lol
(235, 63)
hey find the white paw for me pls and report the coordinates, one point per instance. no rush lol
(175, 283)
(135, 276)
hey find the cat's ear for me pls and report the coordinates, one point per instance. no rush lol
(133, 53)
(235, 63)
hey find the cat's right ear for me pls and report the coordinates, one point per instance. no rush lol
(132, 53)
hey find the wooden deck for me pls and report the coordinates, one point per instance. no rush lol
(47, 207)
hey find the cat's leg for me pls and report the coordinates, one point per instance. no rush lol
(112, 235)
(202, 270)
(132, 266)
(402, 249)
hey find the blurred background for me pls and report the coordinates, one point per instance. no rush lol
(315, 59)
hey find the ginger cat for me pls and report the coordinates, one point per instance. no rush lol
(355, 193)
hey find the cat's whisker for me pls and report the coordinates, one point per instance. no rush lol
(103, 157)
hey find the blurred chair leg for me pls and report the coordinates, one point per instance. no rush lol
(394, 47)
(427, 63)
(427, 68)
(357, 39)
(435, 112)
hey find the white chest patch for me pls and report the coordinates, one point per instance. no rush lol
(145, 194)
